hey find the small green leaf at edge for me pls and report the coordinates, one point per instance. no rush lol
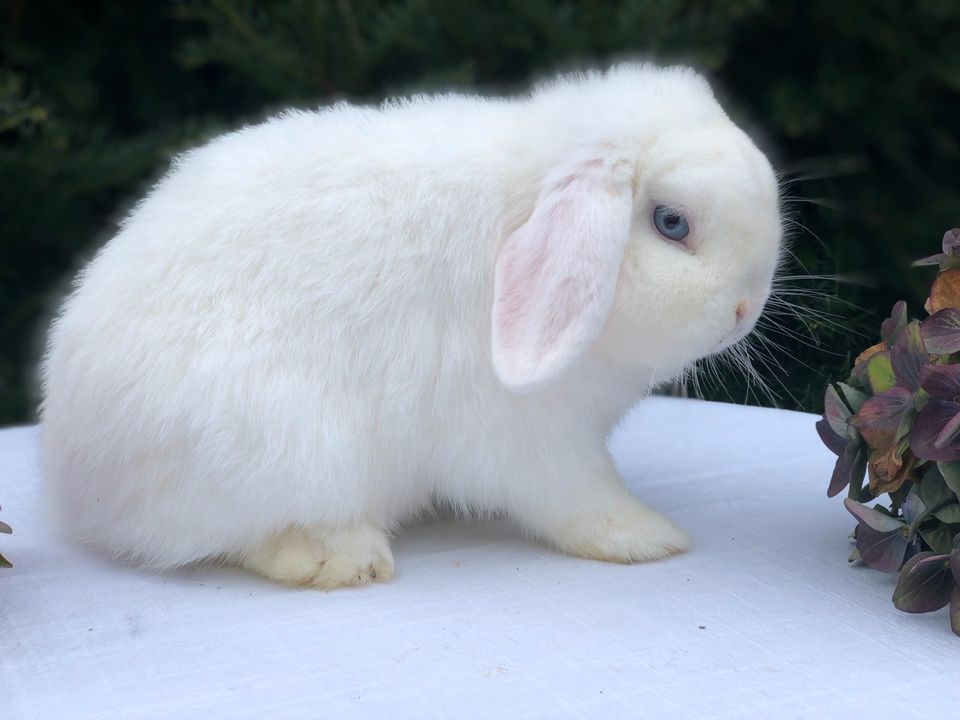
(938, 538)
(951, 474)
(854, 398)
(923, 584)
(933, 489)
(880, 373)
(4, 563)
(4, 528)
(949, 514)
(835, 411)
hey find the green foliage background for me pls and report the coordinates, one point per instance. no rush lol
(858, 104)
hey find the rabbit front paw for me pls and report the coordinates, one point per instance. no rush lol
(324, 558)
(628, 535)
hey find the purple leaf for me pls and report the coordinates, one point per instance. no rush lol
(941, 331)
(880, 417)
(891, 327)
(927, 427)
(925, 584)
(948, 436)
(830, 438)
(941, 381)
(908, 355)
(951, 242)
(850, 467)
(881, 522)
(835, 410)
(912, 508)
(882, 551)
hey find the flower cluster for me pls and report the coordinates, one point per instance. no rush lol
(896, 420)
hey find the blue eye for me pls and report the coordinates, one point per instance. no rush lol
(670, 223)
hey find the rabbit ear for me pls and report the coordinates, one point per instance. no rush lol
(556, 275)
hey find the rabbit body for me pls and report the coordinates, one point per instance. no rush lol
(288, 348)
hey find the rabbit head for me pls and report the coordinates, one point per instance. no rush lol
(653, 244)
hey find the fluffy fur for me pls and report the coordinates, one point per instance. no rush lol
(312, 329)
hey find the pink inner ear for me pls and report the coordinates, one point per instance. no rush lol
(520, 264)
(556, 274)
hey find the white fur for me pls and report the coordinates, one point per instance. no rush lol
(289, 348)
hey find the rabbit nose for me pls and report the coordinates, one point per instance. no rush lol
(741, 311)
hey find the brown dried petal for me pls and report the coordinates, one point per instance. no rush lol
(887, 472)
(945, 292)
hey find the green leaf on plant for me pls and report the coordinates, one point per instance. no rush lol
(4, 563)
(933, 490)
(835, 410)
(880, 373)
(951, 474)
(4, 528)
(851, 396)
(938, 538)
(925, 584)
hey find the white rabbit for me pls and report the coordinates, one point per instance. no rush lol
(312, 329)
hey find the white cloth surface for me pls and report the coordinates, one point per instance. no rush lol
(762, 619)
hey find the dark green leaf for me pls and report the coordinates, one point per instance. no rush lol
(925, 584)
(951, 475)
(933, 490)
(938, 538)
(853, 397)
(4, 563)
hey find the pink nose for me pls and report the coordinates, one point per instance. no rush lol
(741, 310)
